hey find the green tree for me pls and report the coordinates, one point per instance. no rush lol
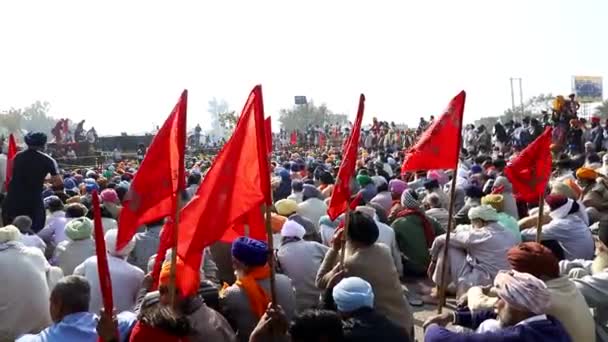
(217, 109)
(36, 118)
(228, 121)
(602, 110)
(302, 116)
(31, 118)
(11, 120)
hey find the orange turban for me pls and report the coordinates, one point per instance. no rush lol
(577, 189)
(586, 173)
(187, 280)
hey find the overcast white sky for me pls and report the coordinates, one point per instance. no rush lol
(122, 64)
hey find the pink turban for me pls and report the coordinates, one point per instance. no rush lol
(522, 291)
(397, 186)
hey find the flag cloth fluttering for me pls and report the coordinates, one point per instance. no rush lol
(105, 282)
(10, 159)
(152, 194)
(341, 193)
(268, 131)
(530, 171)
(237, 183)
(439, 145)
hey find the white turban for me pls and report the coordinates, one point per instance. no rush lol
(353, 293)
(483, 212)
(9, 233)
(292, 228)
(367, 211)
(111, 237)
(523, 291)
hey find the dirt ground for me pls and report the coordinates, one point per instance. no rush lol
(422, 313)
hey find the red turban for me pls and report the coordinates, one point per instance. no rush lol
(534, 258)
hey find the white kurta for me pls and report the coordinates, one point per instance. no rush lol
(475, 255)
(24, 294)
(126, 282)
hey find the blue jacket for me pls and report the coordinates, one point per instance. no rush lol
(537, 331)
(80, 327)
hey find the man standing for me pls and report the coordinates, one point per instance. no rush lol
(30, 168)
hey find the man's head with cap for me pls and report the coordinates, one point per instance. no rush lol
(352, 294)
(248, 253)
(409, 199)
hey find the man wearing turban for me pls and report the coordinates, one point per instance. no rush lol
(300, 260)
(415, 231)
(519, 315)
(354, 299)
(476, 253)
(595, 193)
(591, 278)
(30, 168)
(567, 303)
(244, 303)
(126, 278)
(497, 202)
(566, 227)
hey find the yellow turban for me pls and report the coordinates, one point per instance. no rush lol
(286, 207)
(586, 173)
(495, 201)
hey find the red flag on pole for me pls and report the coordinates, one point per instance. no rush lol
(341, 194)
(236, 183)
(531, 170)
(294, 138)
(268, 131)
(160, 178)
(438, 147)
(105, 282)
(10, 158)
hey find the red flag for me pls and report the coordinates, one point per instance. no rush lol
(439, 146)
(294, 138)
(531, 170)
(257, 226)
(152, 195)
(105, 282)
(10, 158)
(341, 194)
(268, 130)
(237, 182)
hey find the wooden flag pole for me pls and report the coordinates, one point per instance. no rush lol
(344, 232)
(541, 209)
(442, 281)
(271, 261)
(172, 279)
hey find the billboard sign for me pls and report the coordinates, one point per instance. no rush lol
(300, 100)
(588, 88)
